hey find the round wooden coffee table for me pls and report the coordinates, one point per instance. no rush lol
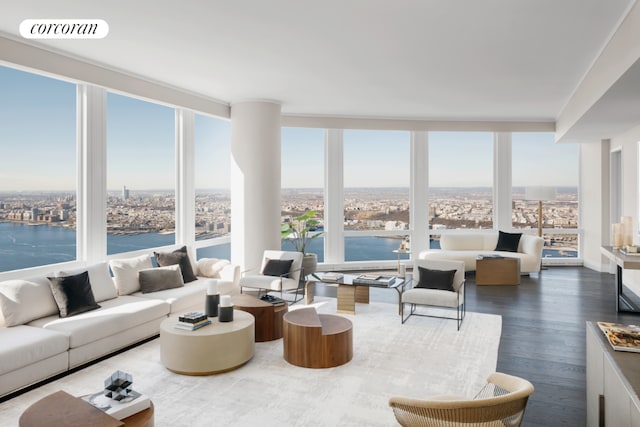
(216, 348)
(313, 340)
(268, 317)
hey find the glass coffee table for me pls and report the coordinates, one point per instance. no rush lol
(350, 293)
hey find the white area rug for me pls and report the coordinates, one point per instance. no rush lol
(425, 356)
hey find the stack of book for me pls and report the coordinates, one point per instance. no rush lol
(273, 300)
(629, 250)
(622, 337)
(192, 321)
(374, 279)
(332, 277)
(490, 256)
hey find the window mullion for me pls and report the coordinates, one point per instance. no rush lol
(91, 235)
(502, 205)
(185, 191)
(419, 214)
(334, 197)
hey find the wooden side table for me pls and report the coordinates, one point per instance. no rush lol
(268, 317)
(61, 409)
(497, 271)
(313, 340)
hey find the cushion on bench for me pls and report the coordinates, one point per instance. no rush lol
(25, 345)
(190, 295)
(113, 317)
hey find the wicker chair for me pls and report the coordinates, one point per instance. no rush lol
(500, 403)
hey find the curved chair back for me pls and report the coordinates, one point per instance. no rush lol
(500, 403)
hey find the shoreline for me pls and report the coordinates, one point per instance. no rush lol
(561, 251)
(69, 226)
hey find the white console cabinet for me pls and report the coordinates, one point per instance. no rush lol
(613, 383)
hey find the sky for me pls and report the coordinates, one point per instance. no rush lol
(456, 159)
(37, 132)
(38, 144)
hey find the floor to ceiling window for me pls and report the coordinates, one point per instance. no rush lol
(38, 172)
(376, 193)
(302, 182)
(212, 191)
(140, 174)
(547, 172)
(460, 181)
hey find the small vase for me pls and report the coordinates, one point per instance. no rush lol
(226, 314)
(211, 305)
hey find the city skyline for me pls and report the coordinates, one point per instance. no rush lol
(111, 191)
(38, 146)
(153, 214)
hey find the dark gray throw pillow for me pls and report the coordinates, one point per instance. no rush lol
(436, 279)
(180, 257)
(277, 267)
(508, 242)
(159, 279)
(73, 294)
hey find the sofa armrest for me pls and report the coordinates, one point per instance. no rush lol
(532, 245)
(217, 269)
(423, 254)
(231, 273)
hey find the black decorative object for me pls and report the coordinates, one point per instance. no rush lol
(118, 385)
(211, 305)
(225, 314)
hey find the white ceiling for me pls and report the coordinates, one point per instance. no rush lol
(416, 59)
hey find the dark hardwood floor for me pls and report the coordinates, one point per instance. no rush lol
(543, 334)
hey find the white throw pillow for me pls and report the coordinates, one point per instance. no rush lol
(125, 273)
(22, 301)
(101, 282)
(211, 267)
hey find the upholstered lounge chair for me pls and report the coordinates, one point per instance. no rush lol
(500, 403)
(449, 299)
(270, 279)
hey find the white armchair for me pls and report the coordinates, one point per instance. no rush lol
(276, 274)
(435, 294)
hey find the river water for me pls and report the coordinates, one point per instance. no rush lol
(23, 246)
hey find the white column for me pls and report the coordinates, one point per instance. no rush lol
(333, 196)
(502, 200)
(185, 192)
(419, 210)
(255, 181)
(91, 223)
(595, 203)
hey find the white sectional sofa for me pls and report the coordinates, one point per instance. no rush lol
(467, 246)
(37, 343)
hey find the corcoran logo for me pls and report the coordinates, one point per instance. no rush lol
(64, 29)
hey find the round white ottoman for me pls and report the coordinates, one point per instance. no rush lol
(216, 348)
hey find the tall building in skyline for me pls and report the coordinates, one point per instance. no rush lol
(125, 192)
